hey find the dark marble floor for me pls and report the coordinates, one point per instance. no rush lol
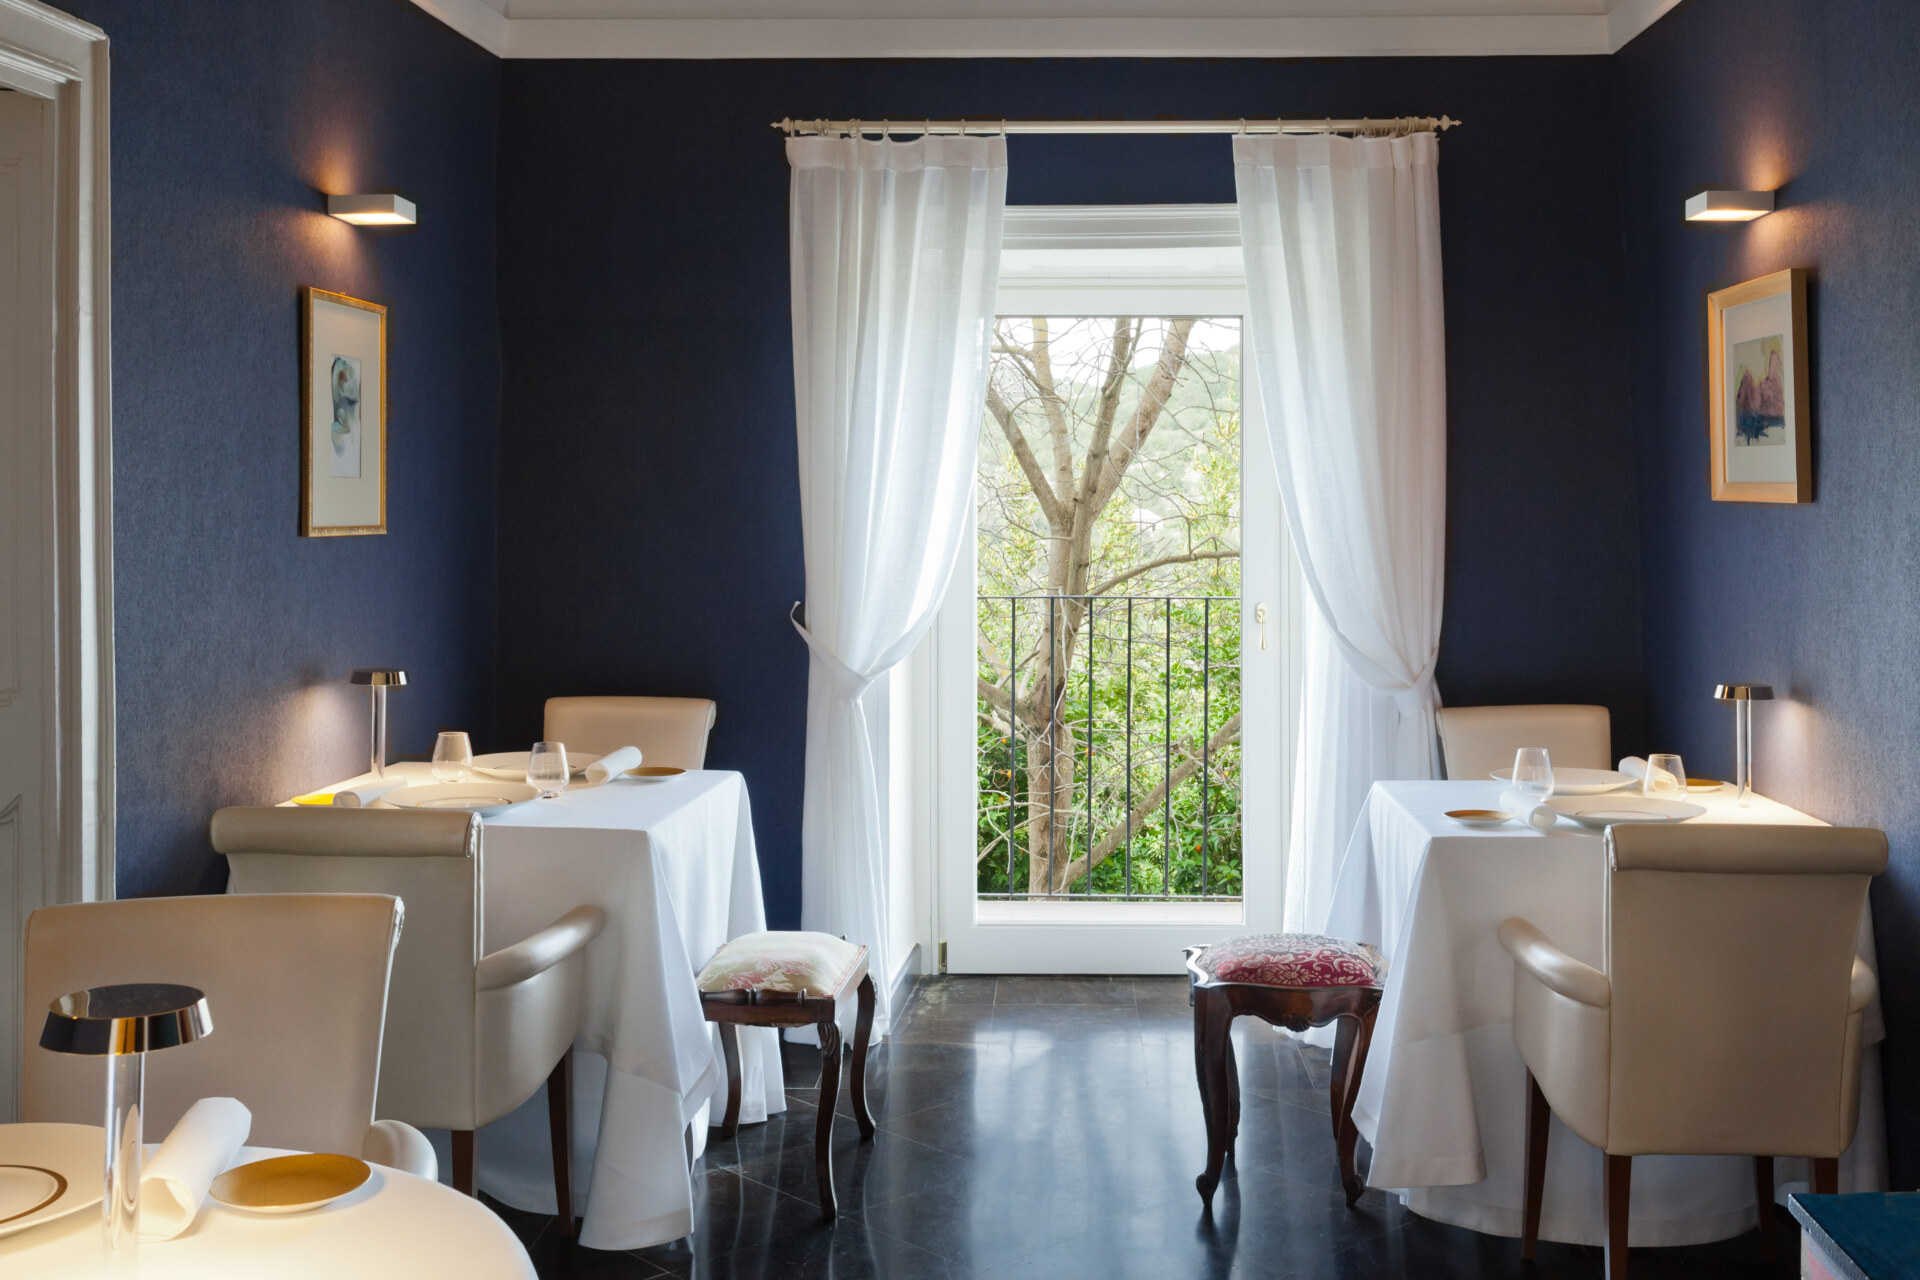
(1050, 1127)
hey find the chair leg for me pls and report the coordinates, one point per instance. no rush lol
(1619, 1191)
(1763, 1202)
(1826, 1176)
(823, 1127)
(1539, 1121)
(1352, 1036)
(862, 1038)
(1232, 1116)
(463, 1161)
(730, 1050)
(560, 1133)
(1212, 1024)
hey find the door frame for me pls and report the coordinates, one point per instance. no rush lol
(1163, 281)
(50, 55)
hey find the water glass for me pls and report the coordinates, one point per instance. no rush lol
(1533, 773)
(453, 757)
(1666, 778)
(547, 768)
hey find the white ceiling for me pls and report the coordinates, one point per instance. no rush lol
(1040, 28)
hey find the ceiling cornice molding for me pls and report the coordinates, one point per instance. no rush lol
(1282, 37)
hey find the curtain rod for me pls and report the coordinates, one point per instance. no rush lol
(1394, 126)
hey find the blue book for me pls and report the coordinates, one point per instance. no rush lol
(1865, 1236)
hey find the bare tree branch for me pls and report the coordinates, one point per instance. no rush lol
(1225, 736)
(1190, 557)
(1042, 490)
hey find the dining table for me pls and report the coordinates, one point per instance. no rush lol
(672, 863)
(395, 1225)
(1443, 1094)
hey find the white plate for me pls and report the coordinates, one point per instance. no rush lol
(1480, 817)
(1601, 814)
(1580, 782)
(484, 798)
(48, 1171)
(511, 766)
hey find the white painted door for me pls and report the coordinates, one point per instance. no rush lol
(28, 857)
(1132, 917)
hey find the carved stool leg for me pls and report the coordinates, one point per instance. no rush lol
(730, 1050)
(1212, 1023)
(823, 1127)
(1233, 1099)
(862, 1037)
(1349, 1051)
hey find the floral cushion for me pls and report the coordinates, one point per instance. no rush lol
(780, 960)
(1293, 960)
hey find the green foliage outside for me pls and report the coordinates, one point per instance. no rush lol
(1133, 428)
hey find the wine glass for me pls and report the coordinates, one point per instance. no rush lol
(1533, 774)
(453, 757)
(1666, 778)
(547, 768)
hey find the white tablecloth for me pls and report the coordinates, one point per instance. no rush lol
(1443, 1097)
(672, 863)
(395, 1226)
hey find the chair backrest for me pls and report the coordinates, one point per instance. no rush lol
(433, 863)
(1474, 741)
(669, 731)
(1730, 951)
(296, 985)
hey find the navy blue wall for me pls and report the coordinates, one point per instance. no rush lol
(649, 509)
(1822, 600)
(232, 632)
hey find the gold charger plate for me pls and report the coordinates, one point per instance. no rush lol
(290, 1184)
(1480, 817)
(654, 772)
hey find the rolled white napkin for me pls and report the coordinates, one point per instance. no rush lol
(613, 764)
(1633, 766)
(367, 792)
(199, 1149)
(1528, 810)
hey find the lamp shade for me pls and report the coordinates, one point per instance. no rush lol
(1728, 206)
(378, 676)
(1743, 692)
(132, 1017)
(373, 211)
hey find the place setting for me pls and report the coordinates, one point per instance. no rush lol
(1538, 795)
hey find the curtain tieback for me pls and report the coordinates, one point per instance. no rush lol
(1414, 699)
(846, 682)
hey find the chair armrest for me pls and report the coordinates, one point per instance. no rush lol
(1552, 967)
(532, 956)
(399, 1145)
(1864, 988)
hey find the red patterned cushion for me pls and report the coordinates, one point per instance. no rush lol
(1294, 960)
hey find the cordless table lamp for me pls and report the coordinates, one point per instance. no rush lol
(122, 1023)
(378, 680)
(1743, 696)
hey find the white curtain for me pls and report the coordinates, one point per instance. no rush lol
(896, 260)
(1342, 245)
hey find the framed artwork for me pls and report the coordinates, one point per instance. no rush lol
(1759, 419)
(343, 415)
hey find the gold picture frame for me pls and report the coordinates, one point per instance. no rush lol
(343, 415)
(1759, 393)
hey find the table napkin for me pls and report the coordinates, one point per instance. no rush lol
(198, 1150)
(614, 763)
(367, 792)
(1528, 810)
(1634, 766)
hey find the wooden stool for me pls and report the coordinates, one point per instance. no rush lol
(1292, 980)
(793, 979)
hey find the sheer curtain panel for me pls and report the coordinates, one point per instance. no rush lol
(1342, 245)
(896, 261)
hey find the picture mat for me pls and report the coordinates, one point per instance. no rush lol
(1762, 318)
(337, 502)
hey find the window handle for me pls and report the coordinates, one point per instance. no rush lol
(1260, 616)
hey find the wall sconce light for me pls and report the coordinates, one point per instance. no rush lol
(376, 211)
(1728, 206)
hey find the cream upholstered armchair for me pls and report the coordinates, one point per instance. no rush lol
(296, 984)
(1725, 1018)
(668, 731)
(470, 1035)
(1474, 741)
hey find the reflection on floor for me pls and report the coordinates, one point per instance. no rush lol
(1050, 1128)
